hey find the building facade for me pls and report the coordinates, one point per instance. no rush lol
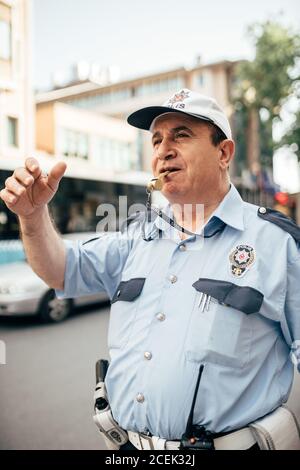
(117, 100)
(16, 92)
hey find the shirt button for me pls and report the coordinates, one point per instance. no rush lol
(140, 398)
(147, 355)
(182, 247)
(173, 278)
(262, 210)
(161, 316)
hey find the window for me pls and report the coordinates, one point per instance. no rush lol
(113, 155)
(12, 131)
(5, 40)
(82, 145)
(73, 144)
(200, 79)
(140, 148)
(106, 155)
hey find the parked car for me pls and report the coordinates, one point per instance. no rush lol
(22, 292)
(11, 251)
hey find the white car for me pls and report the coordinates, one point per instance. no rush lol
(22, 292)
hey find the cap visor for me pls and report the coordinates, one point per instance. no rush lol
(143, 118)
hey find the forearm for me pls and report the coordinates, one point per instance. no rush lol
(44, 248)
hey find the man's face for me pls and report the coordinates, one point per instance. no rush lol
(183, 145)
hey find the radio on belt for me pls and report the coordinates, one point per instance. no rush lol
(103, 417)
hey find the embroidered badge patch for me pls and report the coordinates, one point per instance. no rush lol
(176, 100)
(241, 258)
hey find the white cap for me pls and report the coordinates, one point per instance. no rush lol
(187, 102)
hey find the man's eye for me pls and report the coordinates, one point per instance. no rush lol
(155, 142)
(181, 134)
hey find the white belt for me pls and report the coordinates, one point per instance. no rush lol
(237, 440)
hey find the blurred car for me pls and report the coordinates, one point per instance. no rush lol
(11, 251)
(22, 292)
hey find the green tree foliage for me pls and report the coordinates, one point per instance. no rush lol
(292, 136)
(265, 84)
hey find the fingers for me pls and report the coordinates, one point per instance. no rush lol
(23, 176)
(33, 167)
(56, 175)
(14, 186)
(8, 197)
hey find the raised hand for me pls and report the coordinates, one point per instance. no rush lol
(28, 189)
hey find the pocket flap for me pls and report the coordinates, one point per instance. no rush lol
(129, 290)
(243, 298)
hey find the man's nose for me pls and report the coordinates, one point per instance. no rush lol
(165, 151)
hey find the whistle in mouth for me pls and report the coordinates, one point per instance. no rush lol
(156, 183)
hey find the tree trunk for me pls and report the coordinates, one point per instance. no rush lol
(252, 134)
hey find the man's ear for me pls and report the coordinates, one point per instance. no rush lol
(226, 149)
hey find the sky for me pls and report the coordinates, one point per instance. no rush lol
(146, 36)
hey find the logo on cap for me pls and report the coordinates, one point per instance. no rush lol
(176, 100)
(241, 258)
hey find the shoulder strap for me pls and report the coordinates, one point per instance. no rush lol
(281, 220)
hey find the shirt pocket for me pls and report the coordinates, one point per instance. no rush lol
(123, 311)
(221, 332)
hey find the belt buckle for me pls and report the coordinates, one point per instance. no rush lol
(146, 442)
(197, 439)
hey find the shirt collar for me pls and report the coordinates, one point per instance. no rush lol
(230, 211)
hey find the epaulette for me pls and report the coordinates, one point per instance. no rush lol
(281, 220)
(133, 217)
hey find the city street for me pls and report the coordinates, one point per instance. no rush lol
(47, 385)
(46, 392)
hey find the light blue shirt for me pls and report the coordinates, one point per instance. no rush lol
(158, 339)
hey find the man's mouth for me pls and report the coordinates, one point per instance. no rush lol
(170, 170)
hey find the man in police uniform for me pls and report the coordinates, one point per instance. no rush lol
(204, 313)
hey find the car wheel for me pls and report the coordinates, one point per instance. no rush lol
(54, 310)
